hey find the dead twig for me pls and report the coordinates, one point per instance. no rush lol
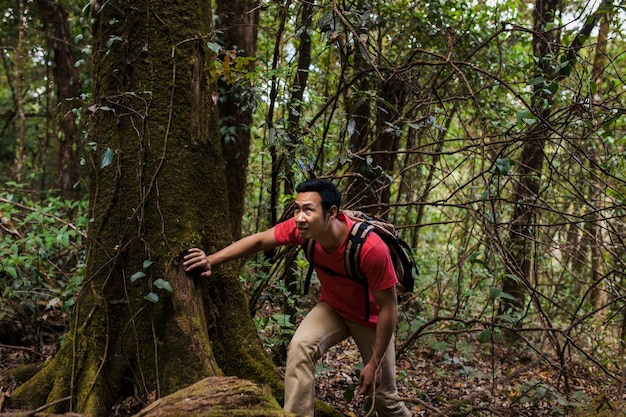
(39, 411)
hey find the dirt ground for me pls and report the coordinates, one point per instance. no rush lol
(476, 380)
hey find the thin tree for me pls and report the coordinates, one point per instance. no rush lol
(68, 86)
(238, 25)
(20, 155)
(373, 145)
(520, 255)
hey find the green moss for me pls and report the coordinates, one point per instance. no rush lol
(34, 392)
(23, 373)
(324, 410)
(236, 345)
(217, 396)
(601, 407)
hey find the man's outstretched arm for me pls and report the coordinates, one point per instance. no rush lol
(197, 259)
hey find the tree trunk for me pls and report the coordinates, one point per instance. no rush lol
(373, 145)
(229, 396)
(598, 296)
(519, 258)
(386, 144)
(67, 80)
(238, 23)
(274, 136)
(19, 99)
(141, 325)
(360, 193)
(522, 233)
(375, 156)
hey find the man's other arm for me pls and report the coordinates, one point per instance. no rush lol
(387, 316)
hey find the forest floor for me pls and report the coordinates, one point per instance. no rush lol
(472, 379)
(490, 384)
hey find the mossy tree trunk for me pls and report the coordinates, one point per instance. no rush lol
(141, 325)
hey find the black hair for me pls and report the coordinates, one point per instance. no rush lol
(326, 189)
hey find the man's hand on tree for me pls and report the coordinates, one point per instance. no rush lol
(196, 259)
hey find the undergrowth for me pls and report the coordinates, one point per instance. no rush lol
(42, 258)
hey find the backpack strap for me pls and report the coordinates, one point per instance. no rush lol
(352, 258)
(353, 248)
(308, 246)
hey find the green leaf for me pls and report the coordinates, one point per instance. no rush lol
(440, 346)
(112, 40)
(163, 284)
(507, 318)
(475, 258)
(553, 87)
(215, 47)
(147, 263)
(351, 127)
(526, 117)
(106, 158)
(514, 278)
(541, 392)
(134, 277)
(348, 394)
(485, 336)
(503, 165)
(11, 270)
(494, 293)
(152, 297)
(507, 296)
(369, 405)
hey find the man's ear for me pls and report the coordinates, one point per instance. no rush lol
(332, 212)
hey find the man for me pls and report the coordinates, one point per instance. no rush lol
(340, 310)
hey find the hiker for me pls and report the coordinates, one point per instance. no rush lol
(340, 310)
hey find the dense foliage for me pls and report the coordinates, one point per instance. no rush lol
(42, 259)
(491, 133)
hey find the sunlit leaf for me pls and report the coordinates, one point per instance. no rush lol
(163, 284)
(215, 47)
(106, 158)
(137, 275)
(351, 127)
(152, 297)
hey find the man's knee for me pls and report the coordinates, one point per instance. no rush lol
(301, 348)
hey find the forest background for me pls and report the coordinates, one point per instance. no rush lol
(491, 132)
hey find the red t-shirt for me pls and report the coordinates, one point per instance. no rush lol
(344, 295)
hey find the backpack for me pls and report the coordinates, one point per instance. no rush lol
(401, 254)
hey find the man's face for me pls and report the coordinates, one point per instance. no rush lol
(310, 219)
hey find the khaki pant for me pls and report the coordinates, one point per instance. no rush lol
(321, 329)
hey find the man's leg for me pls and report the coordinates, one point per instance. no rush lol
(321, 329)
(385, 407)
